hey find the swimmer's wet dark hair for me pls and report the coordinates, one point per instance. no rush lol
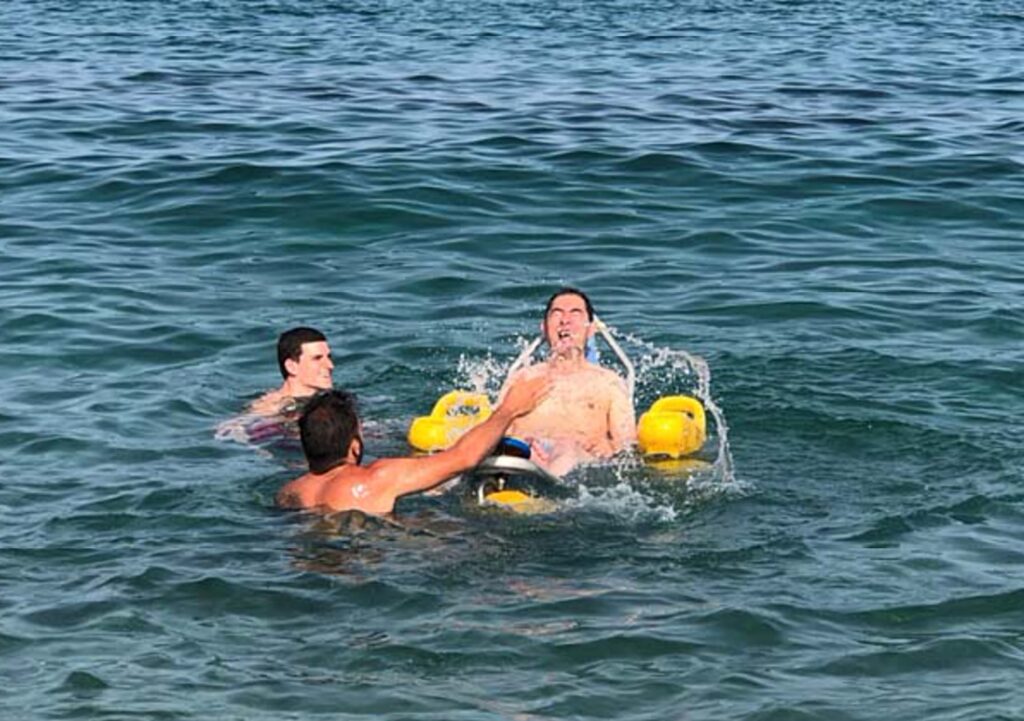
(289, 345)
(327, 427)
(568, 290)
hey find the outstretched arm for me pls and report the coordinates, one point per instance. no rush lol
(408, 475)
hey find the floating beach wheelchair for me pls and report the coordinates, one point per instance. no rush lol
(672, 429)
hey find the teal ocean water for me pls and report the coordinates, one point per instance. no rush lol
(822, 200)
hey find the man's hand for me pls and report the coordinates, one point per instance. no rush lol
(524, 396)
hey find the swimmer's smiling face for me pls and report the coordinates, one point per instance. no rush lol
(567, 324)
(314, 367)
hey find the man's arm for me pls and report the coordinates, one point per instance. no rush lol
(621, 417)
(400, 476)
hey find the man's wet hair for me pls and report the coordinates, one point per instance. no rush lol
(289, 345)
(568, 290)
(327, 427)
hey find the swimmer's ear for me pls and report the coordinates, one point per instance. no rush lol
(355, 449)
(291, 366)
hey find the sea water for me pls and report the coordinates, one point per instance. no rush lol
(822, 201)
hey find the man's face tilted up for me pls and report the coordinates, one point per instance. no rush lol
(567, 325)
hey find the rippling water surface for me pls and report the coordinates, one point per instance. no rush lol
(823, 200)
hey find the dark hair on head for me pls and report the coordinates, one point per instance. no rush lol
(568, 290)
(328, 424)
(289, 345)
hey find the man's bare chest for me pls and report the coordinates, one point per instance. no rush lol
(577, 397)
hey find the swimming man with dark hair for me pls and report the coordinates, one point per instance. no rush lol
(588, 414)
(333, 444)
(306, 366)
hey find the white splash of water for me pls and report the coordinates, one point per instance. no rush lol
(487, 374)
(660, 372)
(481, 375)
(622, 500)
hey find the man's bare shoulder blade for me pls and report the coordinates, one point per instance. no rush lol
(343, 491)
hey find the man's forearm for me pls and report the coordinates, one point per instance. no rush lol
(478, 441)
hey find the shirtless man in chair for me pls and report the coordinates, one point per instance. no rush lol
(588, 414)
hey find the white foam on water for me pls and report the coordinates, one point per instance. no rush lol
(622, 500)
(638, 490)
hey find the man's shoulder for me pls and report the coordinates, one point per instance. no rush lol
(271, 402)
(346, 487)
(291, 494)
(378, 473)
(530, 371)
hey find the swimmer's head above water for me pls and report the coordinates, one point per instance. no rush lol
(330, 431)
(568, 323)
(305, 360)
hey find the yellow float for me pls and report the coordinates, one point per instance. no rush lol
(454, 413)
(516, 501)
(675, 426)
